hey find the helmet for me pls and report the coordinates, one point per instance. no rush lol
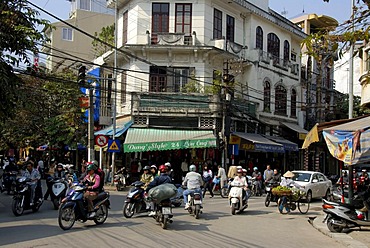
(146, 168)
(153, 167)
(244, 171)
(60, 166)
(168, 164)
(239, 167)
(162, 168)
(255, 168)
(239, 171)
(192, 168)
(90, 167)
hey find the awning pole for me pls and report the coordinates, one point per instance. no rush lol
(101, 157)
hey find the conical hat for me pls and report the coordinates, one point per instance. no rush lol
(288, 174)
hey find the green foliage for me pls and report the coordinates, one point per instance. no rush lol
(107, 35)
(343, 106)
(18, 36)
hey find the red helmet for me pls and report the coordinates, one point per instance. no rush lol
(162, 168)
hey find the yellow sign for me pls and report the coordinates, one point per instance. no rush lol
(312, 136)
(247, 147)
(114, 146)
(234, 140)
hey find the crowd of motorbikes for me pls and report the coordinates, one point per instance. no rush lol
(67, 195)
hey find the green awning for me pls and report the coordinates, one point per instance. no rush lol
(148, 139)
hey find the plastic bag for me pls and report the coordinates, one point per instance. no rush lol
(163, 191)
(216, 180)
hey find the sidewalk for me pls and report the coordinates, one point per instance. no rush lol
(354, 239)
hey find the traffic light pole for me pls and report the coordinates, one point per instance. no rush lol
(91, 142)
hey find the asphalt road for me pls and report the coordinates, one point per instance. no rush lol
(257, 227)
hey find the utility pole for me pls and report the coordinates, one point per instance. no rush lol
(114, 109)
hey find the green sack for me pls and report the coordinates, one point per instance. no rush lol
(163, 191)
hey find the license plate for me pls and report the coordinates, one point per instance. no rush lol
(166, 210)
(197, 202)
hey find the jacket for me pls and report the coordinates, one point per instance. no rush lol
(193, 180)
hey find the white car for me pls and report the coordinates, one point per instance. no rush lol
(315, 184)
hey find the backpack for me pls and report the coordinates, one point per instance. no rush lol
(101, 174)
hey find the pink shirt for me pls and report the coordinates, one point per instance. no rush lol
(93, 178)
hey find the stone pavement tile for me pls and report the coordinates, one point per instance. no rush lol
(353, 241)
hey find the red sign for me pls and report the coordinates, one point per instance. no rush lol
(101, 140)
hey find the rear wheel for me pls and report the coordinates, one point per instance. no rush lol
(101, 215)
(332, 227)
(128, 210)
(233, 208)
(17, 207)
(268, 199)
(66, 218)
(197, 211)
(303, 206)
(164, 222)
(309, 196)
(223, 192)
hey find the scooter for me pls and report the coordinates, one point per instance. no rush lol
(74, 207)
(135, 200)
(236, 200)
(342, 215)
(269, 196)
(120, 179)
(59, 189)
(195, 204)
(163, 213)
(22, 197)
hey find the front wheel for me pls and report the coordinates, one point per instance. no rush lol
(303, 206)
(333, 228)
(233, 208)
(66, 218)
(17, 207)
(164, 222)
(268, 199)
(101, 215)
(129, 210)
(283, 205)
(197, 211)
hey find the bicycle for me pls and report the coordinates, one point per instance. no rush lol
(289, 202)
(217, 187)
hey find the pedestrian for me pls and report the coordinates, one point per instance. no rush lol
(267, 174)
(207, 179)
(221, 174)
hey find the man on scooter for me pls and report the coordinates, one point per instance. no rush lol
(193, 181)
(34, 175)
(241, 180)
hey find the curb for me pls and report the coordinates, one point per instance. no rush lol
(342, 238)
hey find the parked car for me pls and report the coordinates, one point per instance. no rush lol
(315, 184)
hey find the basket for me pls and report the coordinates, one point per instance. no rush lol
(281, 192)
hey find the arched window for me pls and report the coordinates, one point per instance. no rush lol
(273, 44)
(259, 38)
(286, 51)
(266, 97)
(280, 100)
(293, 104)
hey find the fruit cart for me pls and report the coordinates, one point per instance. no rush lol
(290, 199)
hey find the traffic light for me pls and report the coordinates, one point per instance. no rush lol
(82, 75)
(222, 145)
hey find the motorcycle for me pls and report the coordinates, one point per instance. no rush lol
(342, 215)
(120, 179)
(236, 200)
(22, 197)
(74, 207)
(163, 213)
(59, 189)
(135, 200)
(269, 196)
(195, 204)
(9, 181)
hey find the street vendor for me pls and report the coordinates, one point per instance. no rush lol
(287, 180)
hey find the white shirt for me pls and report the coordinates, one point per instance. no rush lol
(222, 174)
(184, 166)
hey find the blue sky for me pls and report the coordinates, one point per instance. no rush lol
(339, 9)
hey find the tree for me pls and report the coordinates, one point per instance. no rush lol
(18, 37)
(106, 35)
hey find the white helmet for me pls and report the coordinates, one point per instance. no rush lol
(192, 168)
(167, 164)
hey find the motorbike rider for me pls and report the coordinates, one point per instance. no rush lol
(170, 171)
(276, 177)
(8, 177)
(34, 175)
(241, 180)
(153, 170)
(161, 179)
(146, 177)
(257, 175)
(58, 173)
(193, 182)
(93, 182)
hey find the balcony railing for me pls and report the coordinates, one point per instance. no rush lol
(174, 39)
(265, 57)
(228, 46)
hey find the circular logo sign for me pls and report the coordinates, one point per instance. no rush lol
(101, 140)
